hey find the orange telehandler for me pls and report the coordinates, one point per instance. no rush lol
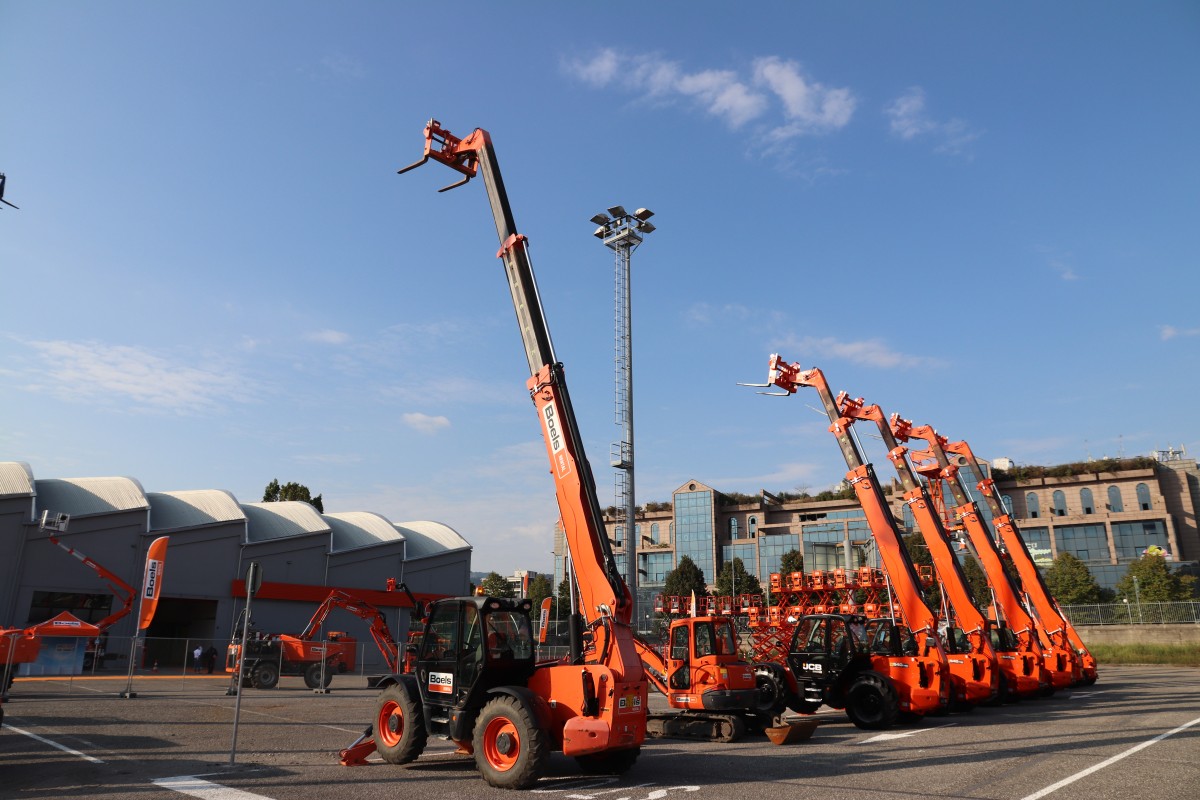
(878, 671)
(475, 680)
(965, 631)
(268, 656)
(1056, 629)
(1060, 661)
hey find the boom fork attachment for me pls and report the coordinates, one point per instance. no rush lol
(461, 155)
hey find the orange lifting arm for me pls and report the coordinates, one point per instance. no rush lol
(122, 590)
(905, 582)
(363, 610)
(606, 601)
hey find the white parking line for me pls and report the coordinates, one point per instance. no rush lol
(1065, 781)
(62, 747)
(207, 790)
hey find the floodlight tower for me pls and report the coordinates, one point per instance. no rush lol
(622, 233)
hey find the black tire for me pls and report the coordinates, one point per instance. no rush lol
(399, 726)
(265, 675)
(871, 702)
(511, 750)
(616, 762)
(771, 697)
(312, 675)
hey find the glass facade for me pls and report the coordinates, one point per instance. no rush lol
(771, 550)
(655, 567)
(1037, 542)
(1085, 542)
(743, 551)
(1133, 537)
(695, 536)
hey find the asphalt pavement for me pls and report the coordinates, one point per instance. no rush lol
(1135, 734)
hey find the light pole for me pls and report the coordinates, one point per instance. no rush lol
(1137, 597)
(622, 232)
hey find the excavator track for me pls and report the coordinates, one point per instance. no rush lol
(695, 725)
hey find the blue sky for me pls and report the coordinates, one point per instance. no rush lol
(981, 216)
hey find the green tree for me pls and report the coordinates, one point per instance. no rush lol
(977, 580)
(1156, 582)
(919, 553)
(562, 609)
(275, 493)
(685, 579)
(792, 561)
(539, 590)
(497, 585)
(1071, 582)
(745, 583)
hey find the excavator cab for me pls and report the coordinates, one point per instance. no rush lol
(701, 650)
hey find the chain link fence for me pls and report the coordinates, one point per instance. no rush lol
(1175, 613)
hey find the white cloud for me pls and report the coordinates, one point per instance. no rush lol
(1168, 332)
(95, 372)
(868, 352)
(908, 119)
(802, 106)
(425, 423)
(328, 336)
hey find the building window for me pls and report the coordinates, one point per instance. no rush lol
(653, 533)
(752, 526)
(733, 527)
(1006, 501)
(1037, 542)
(1031, 503)
(619, 536)
(1143, 496)
(1085, 542)
(1060, 503)
(1132, 538)
(1114, 500)
(1085, 501)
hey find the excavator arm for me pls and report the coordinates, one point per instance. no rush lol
(363, 610)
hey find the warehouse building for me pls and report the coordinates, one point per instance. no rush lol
(213, 538)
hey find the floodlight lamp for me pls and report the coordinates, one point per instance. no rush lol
(643, 214)
(600, 219)
(617, 211)
(646, 227)
(599, 232)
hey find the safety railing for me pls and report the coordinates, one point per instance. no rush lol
(1123, 613)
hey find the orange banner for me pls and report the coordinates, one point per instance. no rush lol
(156, 556)
(544, 619)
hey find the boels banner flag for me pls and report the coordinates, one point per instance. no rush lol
(156, 556)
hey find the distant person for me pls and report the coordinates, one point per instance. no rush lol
(210, 659)
(197, 654)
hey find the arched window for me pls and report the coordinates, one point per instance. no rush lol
(1060, 503)
(618, 535)
(653, 533)
(733, 527)
(637, 536)
(1143, 496)
(1031, 502)
(1006, 501)
(1085, 501)
(1114, 500)
(752, 526)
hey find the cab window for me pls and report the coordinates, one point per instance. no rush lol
(441, 638)
(679, 643)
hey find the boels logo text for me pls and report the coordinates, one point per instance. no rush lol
(441, 682)
(562, 464)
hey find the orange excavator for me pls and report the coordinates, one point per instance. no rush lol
(1060, 661)
(1056, 629)
(887, 671)
(965, 630)
(701, 674)
(475, 680)
(22, 645)
(268, 656)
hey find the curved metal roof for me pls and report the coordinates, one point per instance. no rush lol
(82, 497)
(355, 529)
(282, 519)
(427, 538)
(16, 479)
(192, 509)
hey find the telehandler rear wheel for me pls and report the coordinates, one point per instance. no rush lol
(312, 676)
(511, 750)
(399, 727)
(871, 702)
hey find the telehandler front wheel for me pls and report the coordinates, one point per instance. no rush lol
(399, 727)
(871, 702)
(511, 750)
